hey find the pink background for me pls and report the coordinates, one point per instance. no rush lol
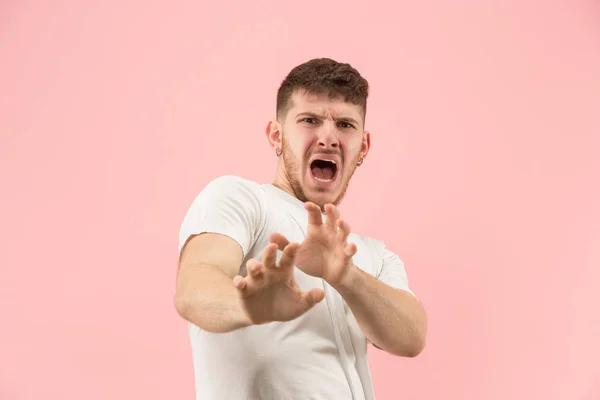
(483, 176)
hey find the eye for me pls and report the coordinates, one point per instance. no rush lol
(309, 120)
(346, 125)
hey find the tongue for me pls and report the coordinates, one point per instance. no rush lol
(322, 173)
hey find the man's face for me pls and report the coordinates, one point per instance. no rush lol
(322, 140)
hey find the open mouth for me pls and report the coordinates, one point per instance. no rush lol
(324, 170)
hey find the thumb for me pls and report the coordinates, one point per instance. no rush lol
(313, 297)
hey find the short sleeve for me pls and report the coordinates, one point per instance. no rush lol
(228, 205)
(392, 271)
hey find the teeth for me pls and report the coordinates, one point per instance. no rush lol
(324, 180)
(329, 161)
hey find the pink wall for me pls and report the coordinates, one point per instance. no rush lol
(484, 176)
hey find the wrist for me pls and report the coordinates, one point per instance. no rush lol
(348, 281)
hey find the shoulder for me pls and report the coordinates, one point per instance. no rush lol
(372, 245)
(370, 254)
(387, 266)
(229, 205)
(231, 189)
(227, 198)
(231, 184)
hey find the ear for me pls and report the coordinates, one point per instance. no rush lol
(366, 144)
(273, 133)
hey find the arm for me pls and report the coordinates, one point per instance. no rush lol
(388, 314)
(216, 233)
(205, 295)
(392, 319)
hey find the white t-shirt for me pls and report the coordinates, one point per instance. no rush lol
(320, 355)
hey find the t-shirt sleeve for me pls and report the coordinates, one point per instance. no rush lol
(229, 206)
(392, 271)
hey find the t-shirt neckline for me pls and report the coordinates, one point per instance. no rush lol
(283, 195)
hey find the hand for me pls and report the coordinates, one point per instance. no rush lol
(325, 252)
(269, 292)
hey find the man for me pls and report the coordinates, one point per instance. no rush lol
(281, 298)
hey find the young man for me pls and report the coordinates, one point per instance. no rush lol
(281, 298)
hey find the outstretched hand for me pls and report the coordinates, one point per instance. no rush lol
(325, 252)
(269, 292)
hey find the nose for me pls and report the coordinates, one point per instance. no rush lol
(327, 136)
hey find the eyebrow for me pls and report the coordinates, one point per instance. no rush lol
(341, 119)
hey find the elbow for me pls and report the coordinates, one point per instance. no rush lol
(187, 307)
(182, 305)
(403, 346)
(416, 348)
(411, 348)
(415, 343)
(419, 335)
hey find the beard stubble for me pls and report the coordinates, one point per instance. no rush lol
(292, 174)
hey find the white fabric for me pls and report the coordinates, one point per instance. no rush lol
(320, 355)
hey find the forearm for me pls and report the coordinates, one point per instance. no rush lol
(391, 319)
(206, 297)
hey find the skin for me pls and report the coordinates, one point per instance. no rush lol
(211, 294)
(318, 124)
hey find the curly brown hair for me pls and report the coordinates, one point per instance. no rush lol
(323, 76)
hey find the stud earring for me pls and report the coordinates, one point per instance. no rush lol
(278, 151)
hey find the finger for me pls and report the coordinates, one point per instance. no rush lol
(344, 231)
(314, 213)
(333, 214)
(253, 281)
(239, 282)
(269, 255)
(288, 256)
(254, 268)
(350, 250)
(280, 240)
(313, 297)
(243, 287)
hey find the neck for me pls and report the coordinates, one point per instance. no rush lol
(282, 182)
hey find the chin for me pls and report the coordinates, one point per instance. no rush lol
(323, 194)
(321, 199)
